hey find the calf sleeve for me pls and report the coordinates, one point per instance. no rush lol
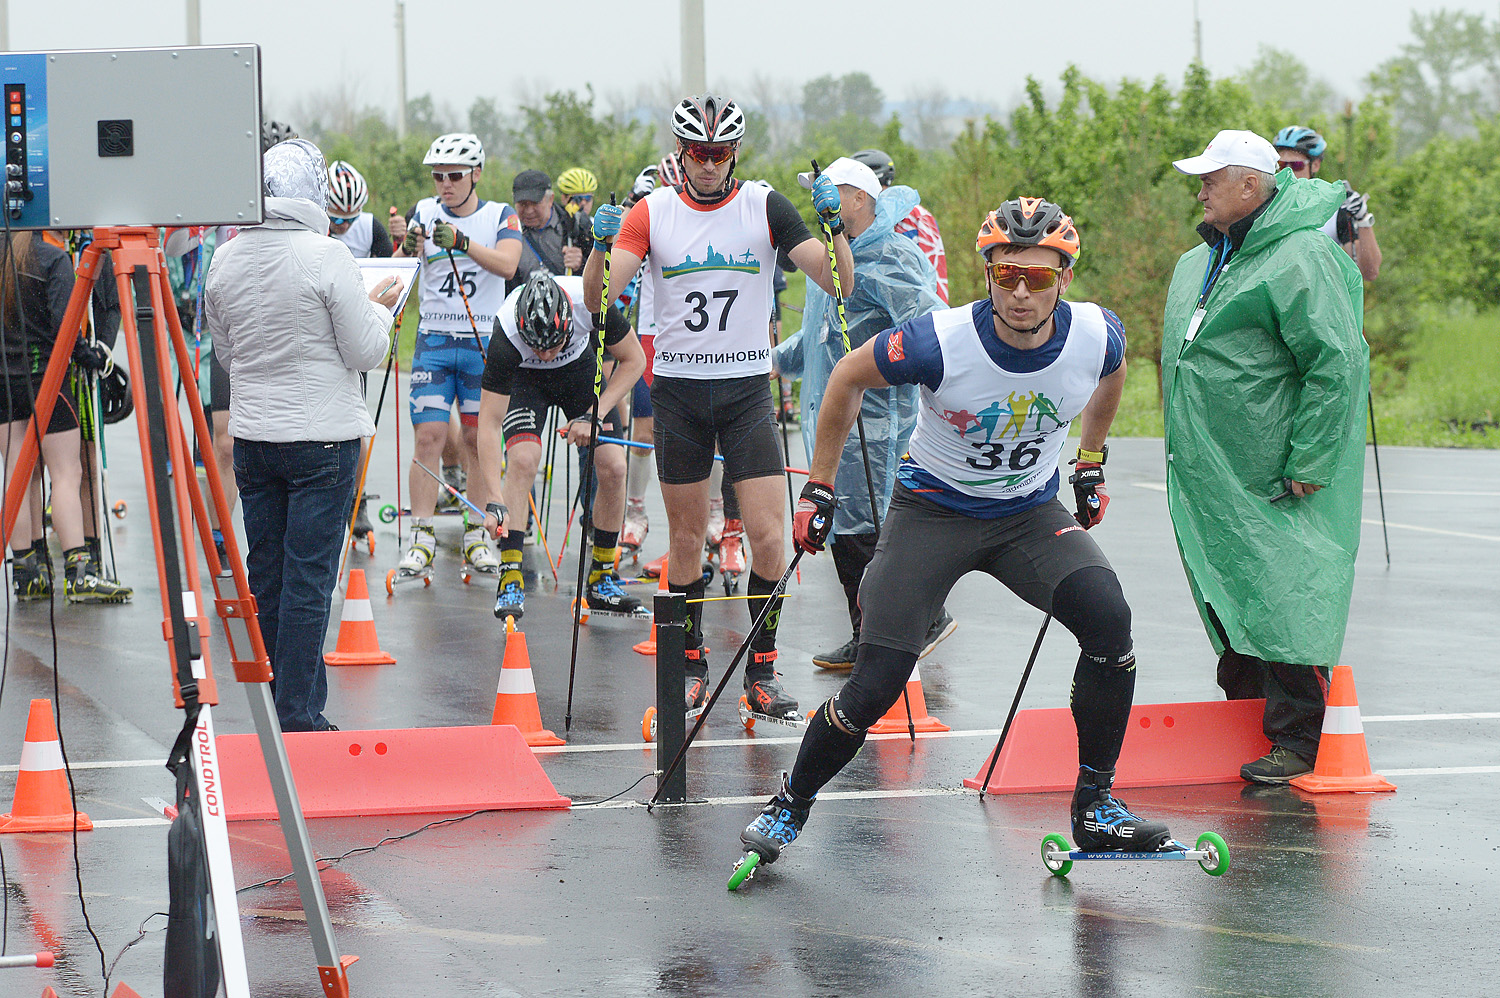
(760, 590)
(825, 750)
(693, 591)
(1091, 605)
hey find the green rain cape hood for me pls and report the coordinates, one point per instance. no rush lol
(1271, 386)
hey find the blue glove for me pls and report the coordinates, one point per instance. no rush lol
(825, 198)
(607, 219)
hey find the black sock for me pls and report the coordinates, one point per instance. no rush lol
(1102, 695)
(760, 590)
(693, 591)
(825, 750)
(39, 548)
(511, 551)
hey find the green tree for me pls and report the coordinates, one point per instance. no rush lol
(1433, 85)
(1283, 81)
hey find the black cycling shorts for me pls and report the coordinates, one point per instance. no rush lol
(734, 413)
(15, 404)
(569, 388)
(218, 384)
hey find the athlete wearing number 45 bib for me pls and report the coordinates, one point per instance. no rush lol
(1001, 380)
(468, 248)
(711, 243)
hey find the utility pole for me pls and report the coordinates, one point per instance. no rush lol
(400, 70)
(1197, 36)
(694, 61)
(194, 23)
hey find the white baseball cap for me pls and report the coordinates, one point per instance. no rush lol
(847, 171)
(1232, 147)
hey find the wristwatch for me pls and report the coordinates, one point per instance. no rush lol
(1092, 456)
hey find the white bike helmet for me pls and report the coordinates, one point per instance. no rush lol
(455, 148)
(708, 118)
(347, 191)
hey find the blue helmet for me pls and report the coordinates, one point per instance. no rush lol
(1302, 139)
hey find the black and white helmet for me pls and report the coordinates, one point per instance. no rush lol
(347, 191)
(544, 314)
(273, 132)
(708, 118)
(455, 149)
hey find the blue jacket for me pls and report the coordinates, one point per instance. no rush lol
(893, 283)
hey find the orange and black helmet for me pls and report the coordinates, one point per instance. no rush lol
(1029, 222)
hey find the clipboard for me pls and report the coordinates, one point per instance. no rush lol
(377, 269)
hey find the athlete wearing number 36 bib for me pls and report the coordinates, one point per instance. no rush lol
(1001, 380)
(712, 245)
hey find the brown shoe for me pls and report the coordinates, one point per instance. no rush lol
(1280, 765)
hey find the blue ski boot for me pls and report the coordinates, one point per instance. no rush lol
(510, 601)
(1102, 823)
(778, 826)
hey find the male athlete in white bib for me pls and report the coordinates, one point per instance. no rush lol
(1001, 380)
(469, 247)
(712, 245)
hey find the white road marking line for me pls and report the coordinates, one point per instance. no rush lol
(1437, 530)
(1441, 771)
(780, 740)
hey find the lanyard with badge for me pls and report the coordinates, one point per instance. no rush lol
(1216, 265)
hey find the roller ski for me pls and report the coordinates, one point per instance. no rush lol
(694, 692)
(363, 531)
(731, 552)
(388, 512)
(510, 601)
(1105, 829)
(766, 700)
(605, 597)
(633, 533)
(416, 564)
(478, 558)
(778, 826)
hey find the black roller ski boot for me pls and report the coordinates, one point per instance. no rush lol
(695, 681)
(765, 696)
(605, 595)
(32, 580)
(779, 824)
(85, 581)
(364, 530)
(1101, 823)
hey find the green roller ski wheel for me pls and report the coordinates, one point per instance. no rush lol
(1216, 863)
(388, 513)
(743, 869)
(1057, 867)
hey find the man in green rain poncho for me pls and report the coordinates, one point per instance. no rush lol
(1264, 374)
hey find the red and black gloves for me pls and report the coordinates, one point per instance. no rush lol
(1089, 490)
(813, 521)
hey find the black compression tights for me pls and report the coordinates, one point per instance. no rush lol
(1090, 604)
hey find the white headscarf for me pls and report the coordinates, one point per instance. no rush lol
(295, 169)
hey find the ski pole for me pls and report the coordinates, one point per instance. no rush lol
(1379, 486)
(587, 476)
(459, 282)
(1009, 718)
(532, 499)
(451, 490)
(859, 415)
(786, 458)
(364, 464)
(772, 603)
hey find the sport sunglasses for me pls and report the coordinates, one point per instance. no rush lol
(1037, 278)
(341, 219)
(453, 176)
(1295, 165)
(703, 152)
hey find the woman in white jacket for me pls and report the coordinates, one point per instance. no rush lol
(289, 307)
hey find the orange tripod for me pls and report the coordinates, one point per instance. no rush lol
(177, 505)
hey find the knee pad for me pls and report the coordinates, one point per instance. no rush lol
(1091, 604)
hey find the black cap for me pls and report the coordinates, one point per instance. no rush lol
(530, 185)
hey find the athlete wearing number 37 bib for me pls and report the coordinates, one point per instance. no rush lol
(1001, 380)
(712, 245)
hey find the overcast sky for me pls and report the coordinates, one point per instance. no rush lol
(980, 49)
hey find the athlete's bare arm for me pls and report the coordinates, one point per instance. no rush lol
(501, 260)
(1095, 420)
(621, 262)
(484, 487)
(630, 364)
(811, 257)
(841, 400)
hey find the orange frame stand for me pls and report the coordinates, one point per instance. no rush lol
(177, 505)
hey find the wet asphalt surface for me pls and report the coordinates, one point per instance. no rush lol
(927, 890)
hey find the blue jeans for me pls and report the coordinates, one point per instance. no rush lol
(297, 498)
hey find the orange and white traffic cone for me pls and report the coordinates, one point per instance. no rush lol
(515, 699)
(1343, 764)
(358, 643)
(648, 647)
(894, 721)
(42, 802)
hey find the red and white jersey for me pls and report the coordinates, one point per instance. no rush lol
(709, 284)
(922, 227)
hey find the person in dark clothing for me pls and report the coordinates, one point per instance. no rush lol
(552, 240)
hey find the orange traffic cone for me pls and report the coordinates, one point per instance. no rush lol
(125, 991)
(1343, 764)
(648, 647)
(358, 644)
(42, 803)
(894, 721)
(515, 699)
